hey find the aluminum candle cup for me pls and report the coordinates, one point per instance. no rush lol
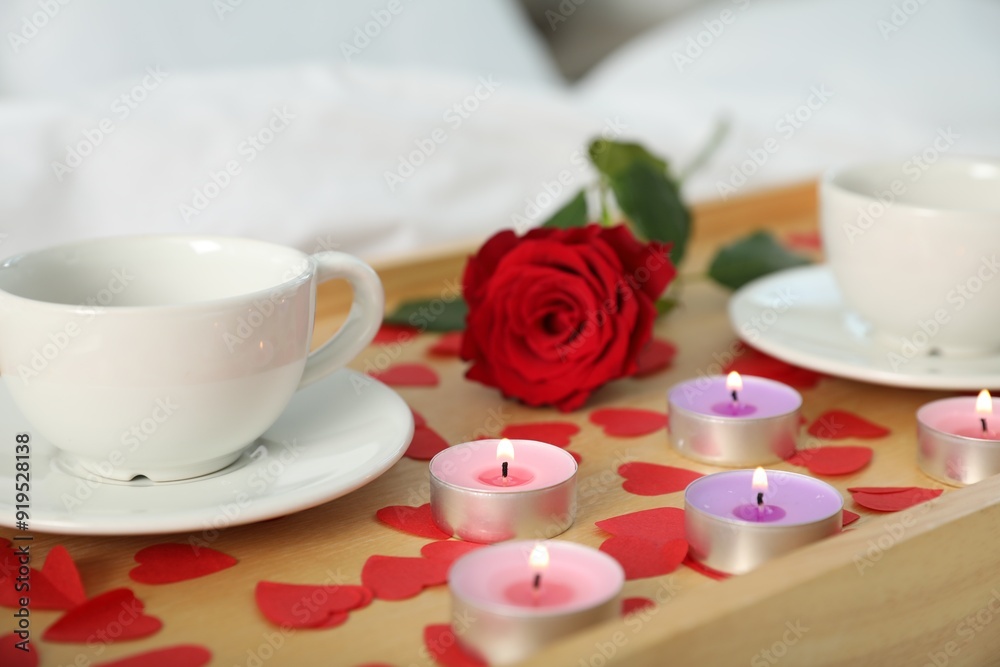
(758, 427)
(511, 599)
(730, 531)
(952, 446)
(473, 500)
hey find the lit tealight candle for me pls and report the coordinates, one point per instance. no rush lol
(734, 420)
(494, 490)
(738, 519)
(511, 599)
(957, 442)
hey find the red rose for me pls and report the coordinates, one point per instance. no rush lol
(557, 313)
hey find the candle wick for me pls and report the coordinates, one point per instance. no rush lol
(736, 396)
(537, 582)
(503, 470)
(982, 420)
(760, 499)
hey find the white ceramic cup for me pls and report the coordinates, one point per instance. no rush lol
(914, 248)
(166, 356)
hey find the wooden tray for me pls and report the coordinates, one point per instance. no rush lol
(897, 589)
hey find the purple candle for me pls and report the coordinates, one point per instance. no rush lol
(733, 420)
(958, 439)
(738, 519)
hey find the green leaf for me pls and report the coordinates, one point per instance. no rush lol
(431, 314)
(750, 258)
(645, 194)
(573, 214)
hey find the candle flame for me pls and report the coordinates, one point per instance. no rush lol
(984, 403)
(539, 558)
(505, 450)
(759, 482)
(734, 382)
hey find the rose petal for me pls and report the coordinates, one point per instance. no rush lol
(810, 240)
(656, 356)
(309, 606)
(408, 375)
(417, 521)
(397, 578)
(183, 655)
(650, 479)
(443, 647)
(658, 524)
(96, 616)
(840, 424)
(169, 563)
(553, 432)
(641, 558)
(832, 460)
(628, 422)
(447, 345)
(893, 502)
(426, 444)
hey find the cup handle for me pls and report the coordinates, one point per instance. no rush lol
(362, 322)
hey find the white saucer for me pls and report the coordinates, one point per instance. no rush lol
(334, 437)
(817, 332)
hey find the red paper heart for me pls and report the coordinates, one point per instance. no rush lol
(879, 489)
(169, 563)
(182, 655)
(850, 517)
(443, 647)
(804, 240)
(418, 419)
(450, 550)
(447, 345)
(309, 606)
(555, 432)
(658, 524)
(840, 424)
(628, 422)
(895, 501)
(832, 460)
(394, 333)
(632, 605)
(705, 570)
(408, 375)
(426, 444)
(396, 578)
(111, 616)
(656, 356)
(11, 656)
(62, 591)
(753, 362)
(641, 558)
(650, 479)
(413, 520)
(576, 457)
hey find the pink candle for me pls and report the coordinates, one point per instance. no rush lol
(734, 420)
(494, 490)
(738, 519)
(959, 439)
(510, 599)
